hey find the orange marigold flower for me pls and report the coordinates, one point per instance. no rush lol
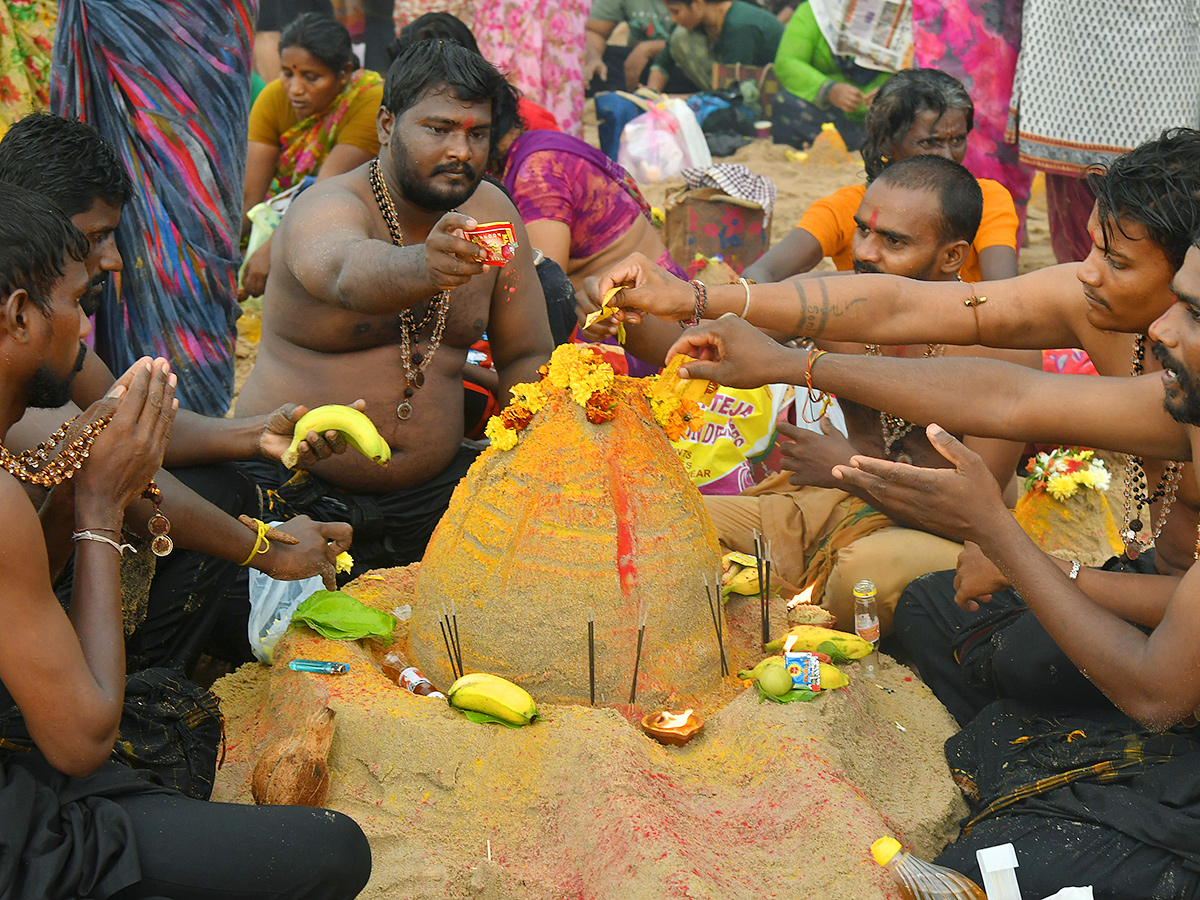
(516, 417)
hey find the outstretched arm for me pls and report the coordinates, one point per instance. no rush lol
(1151, 678)
(982, 397)
(1035, 311)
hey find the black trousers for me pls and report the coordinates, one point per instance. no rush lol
(190, 610)
(197, 850)
(970, 659)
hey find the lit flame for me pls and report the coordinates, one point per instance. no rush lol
(673, 720)
(787, 645)
(805, 596)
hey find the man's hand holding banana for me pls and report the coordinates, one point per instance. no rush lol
(279, 429)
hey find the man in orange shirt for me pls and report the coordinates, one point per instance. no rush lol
(918, 112)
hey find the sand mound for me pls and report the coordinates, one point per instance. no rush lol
(576, 518)
(768, 801)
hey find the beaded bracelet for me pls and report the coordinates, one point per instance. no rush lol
(701, 304)
(260, 541)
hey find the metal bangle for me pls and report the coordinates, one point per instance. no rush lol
(1075, 567)
(99, 538)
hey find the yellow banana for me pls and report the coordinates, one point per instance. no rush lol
(752, 674)
(493, 695)
(813, 637)
(358, 430)
(744, 582)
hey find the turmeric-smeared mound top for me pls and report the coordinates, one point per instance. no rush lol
(581, 372)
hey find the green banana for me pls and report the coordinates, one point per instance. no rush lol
(815, 638)
(493, 695)
(358, 430)
(753, 674)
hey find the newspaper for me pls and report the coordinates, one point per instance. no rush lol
(877, 33)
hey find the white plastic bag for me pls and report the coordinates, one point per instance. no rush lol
(271, 606)
(662, 142)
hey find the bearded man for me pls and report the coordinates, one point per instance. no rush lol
(377, 293)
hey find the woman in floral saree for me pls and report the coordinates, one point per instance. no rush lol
(317, 119)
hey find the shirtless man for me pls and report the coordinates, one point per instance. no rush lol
(1148, 203)
(74, 168)
(360, 306)
(916, 219)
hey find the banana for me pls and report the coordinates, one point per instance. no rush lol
(744, 582)
(752, 674)
(494, 696)
(358, 430)
(814, 637)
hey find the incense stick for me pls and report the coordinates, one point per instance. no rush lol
(592, 656)
(453, 670)
(458, 645)
(637, 660)
(767, 596)
(717, 625)
(762, 601)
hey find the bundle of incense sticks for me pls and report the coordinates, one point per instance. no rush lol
(763, 567)
(592, 656)
(449, 625)
(715, 609)
(638, 658)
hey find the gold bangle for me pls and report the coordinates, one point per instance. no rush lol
(259, 542)
(746, 284)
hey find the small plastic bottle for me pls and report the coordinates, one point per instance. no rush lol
(920, 880)
(412, 680)
(866, 622)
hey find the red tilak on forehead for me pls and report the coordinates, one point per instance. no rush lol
(874, 219)
(470, 122)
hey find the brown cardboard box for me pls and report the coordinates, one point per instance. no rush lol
(709, 221)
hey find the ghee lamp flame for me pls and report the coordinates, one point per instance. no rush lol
(789, 643)
(804, 597)
(672, 728)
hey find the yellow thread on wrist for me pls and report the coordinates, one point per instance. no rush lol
(259, 542)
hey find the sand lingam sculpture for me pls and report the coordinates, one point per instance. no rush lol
(580, 507)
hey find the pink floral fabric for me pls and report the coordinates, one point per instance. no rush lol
(977, 42)
(539, 45)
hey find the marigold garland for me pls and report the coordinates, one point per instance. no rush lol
(582, 372)
(1062, 473)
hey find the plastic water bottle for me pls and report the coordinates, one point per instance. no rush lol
(866, 622)
(920, 880)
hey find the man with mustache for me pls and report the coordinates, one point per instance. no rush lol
(376, 292)
(74, 168)
(1147, 210)
(916, 219)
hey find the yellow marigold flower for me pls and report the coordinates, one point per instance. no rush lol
(530, 395)
(1061, 487)
(502, 438)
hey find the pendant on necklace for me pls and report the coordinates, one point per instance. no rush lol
(418, 379)
(904, 458)
(404, 411)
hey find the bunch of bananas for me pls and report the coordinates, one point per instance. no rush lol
(773, 677)
(739, 574)
(358, 430)
(493, 696)
(814, 638)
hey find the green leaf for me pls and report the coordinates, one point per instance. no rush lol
(340, 617)
(795, 695)
(833, 651)
(481, 718)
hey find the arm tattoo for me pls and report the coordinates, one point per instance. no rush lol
(815, 317)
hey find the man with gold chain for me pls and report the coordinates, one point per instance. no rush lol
(1147, 208)
(376, 292)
